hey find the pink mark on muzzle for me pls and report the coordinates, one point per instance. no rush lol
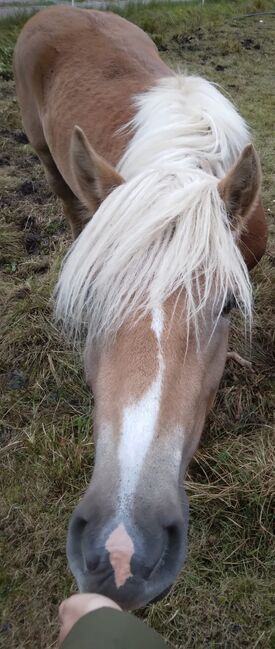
(121, 549)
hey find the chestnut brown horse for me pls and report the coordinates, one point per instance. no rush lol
(164, 166)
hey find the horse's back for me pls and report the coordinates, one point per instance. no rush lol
(75, 66)
(66, 37)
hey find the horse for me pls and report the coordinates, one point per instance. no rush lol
(161, 186)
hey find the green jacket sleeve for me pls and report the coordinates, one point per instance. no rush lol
(110, 629)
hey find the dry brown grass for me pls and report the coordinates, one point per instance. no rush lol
(223, 598)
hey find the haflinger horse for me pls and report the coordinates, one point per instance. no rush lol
(161, 187)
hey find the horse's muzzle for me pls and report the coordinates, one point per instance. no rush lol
(159, 551)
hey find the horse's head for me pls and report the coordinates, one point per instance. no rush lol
(155, 293)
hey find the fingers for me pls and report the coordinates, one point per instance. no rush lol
(73, 608)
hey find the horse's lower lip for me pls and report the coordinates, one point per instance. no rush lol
(159, 597)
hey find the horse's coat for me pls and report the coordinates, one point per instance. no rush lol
(177, 224)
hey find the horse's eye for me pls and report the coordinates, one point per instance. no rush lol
(229, 304)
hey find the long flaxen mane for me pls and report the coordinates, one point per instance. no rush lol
(166, 227)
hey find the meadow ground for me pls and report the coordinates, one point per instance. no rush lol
(223, 598)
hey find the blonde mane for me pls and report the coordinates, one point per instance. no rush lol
(166, 227)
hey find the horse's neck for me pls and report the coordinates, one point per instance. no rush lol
(107, 132)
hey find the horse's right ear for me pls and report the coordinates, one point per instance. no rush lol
(240, 192)
(240, 188)
(95, 177)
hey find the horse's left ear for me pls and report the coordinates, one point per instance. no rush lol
(95, 177)
(240, 192)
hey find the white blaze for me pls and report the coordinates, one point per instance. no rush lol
(138, 425)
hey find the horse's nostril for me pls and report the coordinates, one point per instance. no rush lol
(173, 538)
(92, 564)
(78, 525)
(173, 533)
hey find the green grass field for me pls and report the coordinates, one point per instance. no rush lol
(224, 596)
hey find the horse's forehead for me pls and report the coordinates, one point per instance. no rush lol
(132, 361)
(132, 355)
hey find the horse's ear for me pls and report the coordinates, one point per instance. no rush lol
(240, 193)
(253, 239)
(95, 177)
(240, 188)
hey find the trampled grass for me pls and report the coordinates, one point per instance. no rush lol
(223, 598)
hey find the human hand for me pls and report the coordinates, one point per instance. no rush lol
(73, 608)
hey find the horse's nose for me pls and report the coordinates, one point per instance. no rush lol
(127, 551)
(123, 561)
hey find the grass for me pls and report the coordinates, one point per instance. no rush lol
(223, 598)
